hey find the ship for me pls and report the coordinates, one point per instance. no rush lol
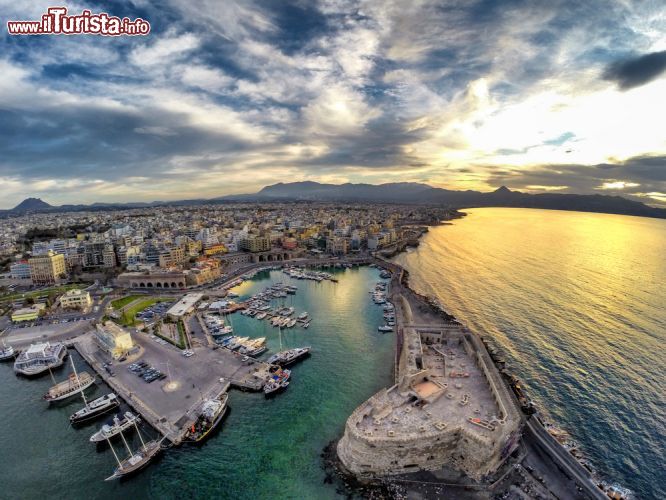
(7, 352)
(278, 380)
(385, 328)
(115, 427)
(136, 461)
(211, 413)
(70, 387)
(286, 358)
(39, 358)
(95, 408)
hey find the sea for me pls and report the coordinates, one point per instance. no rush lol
(265, 448)
(576, 302)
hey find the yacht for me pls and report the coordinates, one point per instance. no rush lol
(39, 358)
(115, 427)
(261, 315)
(95, 408)
(385, 328)
(286, 358)
(210, 414)
(70, 387)
(303, 316)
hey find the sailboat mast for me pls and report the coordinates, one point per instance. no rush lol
(114, 453)
(85, 402)
(137, 431)
(129, 450)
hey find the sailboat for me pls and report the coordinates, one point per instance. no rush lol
(137, 460)
(95, 408)
(74, 384)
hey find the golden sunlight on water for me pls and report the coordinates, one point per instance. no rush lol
(577, 303)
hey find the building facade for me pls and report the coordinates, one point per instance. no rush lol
(48, 269)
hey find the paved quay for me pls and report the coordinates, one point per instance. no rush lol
(169, 405)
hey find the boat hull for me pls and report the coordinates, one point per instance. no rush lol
(120, 473)
(94, 414)
(203, 437)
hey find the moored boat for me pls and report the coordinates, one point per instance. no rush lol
(7, 352)
(115, 427)
(136, 461)
(286, 358)
(70, 387)
(210, 415)
(95, 408)
(39, 358)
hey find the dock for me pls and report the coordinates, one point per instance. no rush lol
(169, 406)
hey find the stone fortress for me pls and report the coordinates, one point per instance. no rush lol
(449, 407)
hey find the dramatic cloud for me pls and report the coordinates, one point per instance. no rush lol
(225, 97)
(637, 71)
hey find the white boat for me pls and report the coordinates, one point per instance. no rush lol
(303, 316)
(261, 315)
(291, 323)
(7, 352)
(114, 427)
(39, 358)
(286, 358)
(95, 408)
(385, 328)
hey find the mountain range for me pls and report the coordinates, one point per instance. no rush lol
(401, 192)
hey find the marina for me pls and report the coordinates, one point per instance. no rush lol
(305, 408)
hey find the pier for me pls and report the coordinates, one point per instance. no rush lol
(170, 405)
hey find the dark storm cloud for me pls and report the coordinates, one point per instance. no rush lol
(317, 87)
(642, 174)
(637, 71)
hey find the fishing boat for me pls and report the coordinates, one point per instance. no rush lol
(210, 415)
(115, 426)
(261, 315)
(95, 408)
(385, 328)
(303, 316)
(137, 460)
(7, 352)
(286, 358)
(39, 358)
(70, 387)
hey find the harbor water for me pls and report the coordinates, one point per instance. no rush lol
(577, 304)
(265, 448)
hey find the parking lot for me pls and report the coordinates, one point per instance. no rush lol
(188, 379)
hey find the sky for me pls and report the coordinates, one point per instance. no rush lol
(225, 97)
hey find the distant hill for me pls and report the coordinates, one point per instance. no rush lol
(31, 205)
(397, 192)
(415, 193)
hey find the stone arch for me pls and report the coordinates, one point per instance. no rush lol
(158, 285)
(134, 284)
(285, 256)
(173, 284)
(181, 284)
(166, 284)
(149, 285)
(262, 258)
(270, 258)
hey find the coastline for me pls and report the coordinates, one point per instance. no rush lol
(536, 434)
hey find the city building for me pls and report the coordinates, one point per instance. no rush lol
(47, 269)
(20, 270)
(113, 339)
(27, 313)
(184, 306)
(253, 243)
(76, 299)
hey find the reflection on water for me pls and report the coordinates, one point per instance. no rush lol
(577, 303)
(265, 448)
